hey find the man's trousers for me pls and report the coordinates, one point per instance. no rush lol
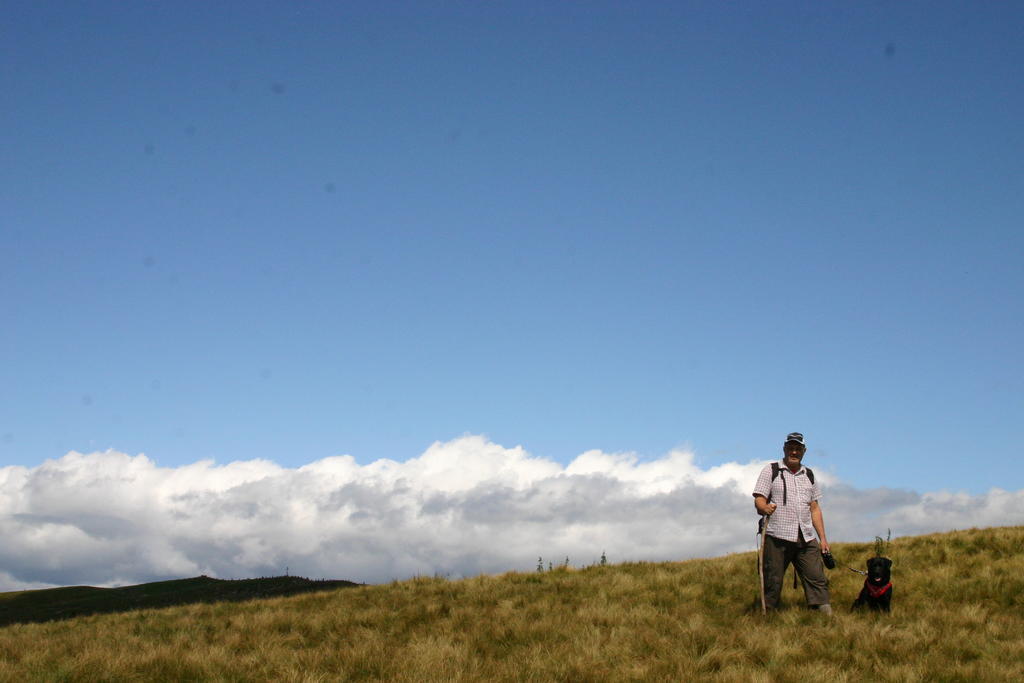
(778, 555)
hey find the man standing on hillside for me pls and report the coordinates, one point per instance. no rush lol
(796, 530)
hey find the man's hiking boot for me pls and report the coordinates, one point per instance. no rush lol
(825, 609)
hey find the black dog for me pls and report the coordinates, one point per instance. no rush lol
(877, 590)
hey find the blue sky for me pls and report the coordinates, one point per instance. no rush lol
(296, 230)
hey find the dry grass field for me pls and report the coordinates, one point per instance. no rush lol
(958, 615)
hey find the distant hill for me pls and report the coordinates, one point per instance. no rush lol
(74, 601)
(958, 615)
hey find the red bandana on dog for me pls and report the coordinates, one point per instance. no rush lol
(876, 592)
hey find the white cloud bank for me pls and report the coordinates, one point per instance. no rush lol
(461, 508)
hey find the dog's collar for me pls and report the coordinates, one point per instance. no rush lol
(876, 592)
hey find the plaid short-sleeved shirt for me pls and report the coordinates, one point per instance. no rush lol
(792, 493)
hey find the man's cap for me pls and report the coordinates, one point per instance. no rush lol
(797, 437)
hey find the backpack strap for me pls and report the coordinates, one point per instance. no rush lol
(775, 473)
(785, 493)
(810, 474)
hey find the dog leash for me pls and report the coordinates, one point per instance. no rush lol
(862, 573)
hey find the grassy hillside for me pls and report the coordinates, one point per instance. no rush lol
(958, 615)
(73, 601)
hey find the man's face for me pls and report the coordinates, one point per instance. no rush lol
(793, 453)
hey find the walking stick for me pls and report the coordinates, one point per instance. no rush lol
(760, 562)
